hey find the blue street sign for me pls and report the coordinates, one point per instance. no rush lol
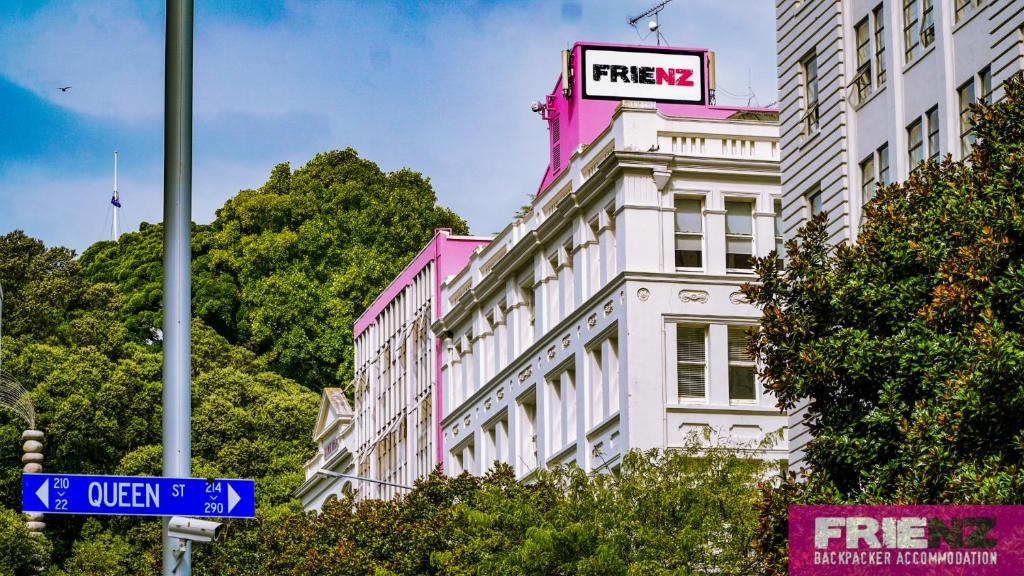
(137, 496)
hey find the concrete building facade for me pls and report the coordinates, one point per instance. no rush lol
(870, 88)
(610, 317)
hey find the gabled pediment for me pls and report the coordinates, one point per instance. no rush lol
(334, 411)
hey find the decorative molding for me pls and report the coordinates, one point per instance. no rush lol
(643, 294)
(592, 321)
(697, 296)
(466, 421)
(738, 298)
(526, 373)
(661, 178)
(500, 393)
(566, 340)
(487, 404)
(608, 308)
(551, 352)
(455, 430)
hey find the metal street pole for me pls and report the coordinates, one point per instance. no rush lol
(177, 265)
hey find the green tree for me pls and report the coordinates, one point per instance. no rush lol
(909, 343)
(19, 552)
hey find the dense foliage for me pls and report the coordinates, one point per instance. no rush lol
(909, 344)
(684, 512)
(285, 270)
(278, 278)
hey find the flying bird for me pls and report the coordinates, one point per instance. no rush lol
(64, 88)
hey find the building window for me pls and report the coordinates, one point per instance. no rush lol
(593, 262)
(496, 442)
(879, 16)
(863, 77)
(809, 74)
(689, 233)
(985, 79)
(933, 133)
(611, 249)
(867, 179)
(527, 434)
(611, 358)
(739, 235)
(967, 97)
(741, 366)
(567, 280)
(915, 144)
(883, 164)
(780, 247)
(964, 8)
(918, 27)
(552, 296)
(691, 362)
(815, 201)
(561, 427)
(595, 378)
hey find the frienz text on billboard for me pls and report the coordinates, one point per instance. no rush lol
(661, 75)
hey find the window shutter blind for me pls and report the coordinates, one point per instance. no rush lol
(690, 361)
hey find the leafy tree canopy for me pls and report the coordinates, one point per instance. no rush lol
(909, 344)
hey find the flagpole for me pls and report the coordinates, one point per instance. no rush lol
(116, 201)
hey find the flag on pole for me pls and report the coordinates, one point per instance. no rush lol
(114, 200)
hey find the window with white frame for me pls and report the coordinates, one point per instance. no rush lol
(932, 117)
(611, 359)
(527, 315)
(862, 79)
(495, 448)
(966, 97)
(741, 366)
(883, 164)
(918, 28)
(561, 408)
(595, 385)
(739, 234)
(809, 80)
(689, 233)
(526, 426)
(878, 18)
(691, 362)
(915, 143)
(867, 178)
(815, 202)
(964, 8)
(567, 279)
(874, 172)
(488, 347)
(780, 245)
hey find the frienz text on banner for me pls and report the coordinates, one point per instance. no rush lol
(905, 540)
(628, 73)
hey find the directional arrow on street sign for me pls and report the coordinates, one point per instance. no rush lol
(137, 495)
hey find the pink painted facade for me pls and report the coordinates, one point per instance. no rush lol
(581, 119)
(397, 370)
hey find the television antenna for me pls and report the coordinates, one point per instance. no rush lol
(654, 26)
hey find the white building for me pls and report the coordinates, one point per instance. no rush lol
(869, 88)
(332, 434)
(610, 318)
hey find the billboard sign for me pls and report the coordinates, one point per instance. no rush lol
(641, 73)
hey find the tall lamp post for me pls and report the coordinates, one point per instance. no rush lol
(177, 394)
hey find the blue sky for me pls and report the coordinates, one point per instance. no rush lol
(440, 87)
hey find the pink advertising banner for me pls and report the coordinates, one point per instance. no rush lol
(906, 540)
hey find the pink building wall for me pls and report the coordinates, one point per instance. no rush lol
(582, 120)
(449, 254)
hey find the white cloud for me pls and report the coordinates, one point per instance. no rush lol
(446, 94)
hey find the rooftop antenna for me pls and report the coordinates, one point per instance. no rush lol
(653, 25)
(115, 201)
